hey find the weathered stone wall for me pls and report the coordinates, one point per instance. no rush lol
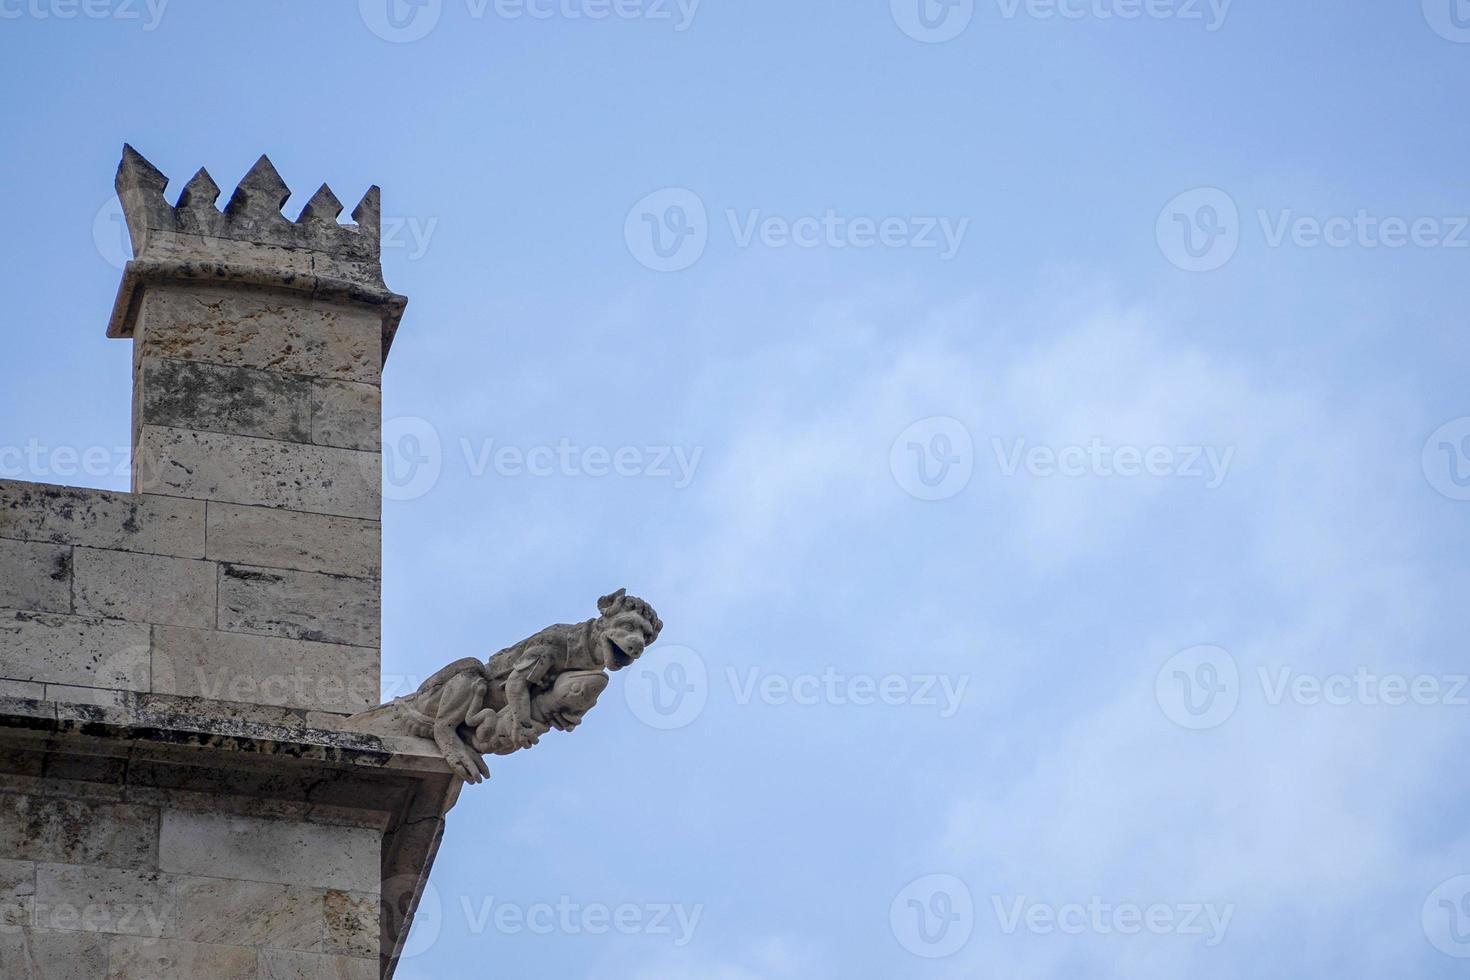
(246, 567)
(95, 888)
(102, 593)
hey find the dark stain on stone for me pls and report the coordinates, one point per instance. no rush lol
(250, 575)
(195, 395)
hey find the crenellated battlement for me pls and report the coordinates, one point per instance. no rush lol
(249, 242)
(253, 213)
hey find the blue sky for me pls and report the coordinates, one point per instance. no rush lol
(1062, 598)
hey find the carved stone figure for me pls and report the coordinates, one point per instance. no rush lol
(549, 680)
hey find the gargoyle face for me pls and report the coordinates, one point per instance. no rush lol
(623, 640)
(628, 625)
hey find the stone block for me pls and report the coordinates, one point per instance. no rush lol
(347, 414)
(110, 900)
(70, 694)
(17, 893)
(275, 331)
(38, 954)
(229, 912)
(22, 689)
(90, 832)
(279, 964)
(145, 588)
(352, 924)
(284, 852)
(35, 576)
(349, 968)
(299, 605)
(283, 965)
(172, 959)
(98, 519)
(264, 670)
(78, 650)
(261, 472)
(305, 542)
(214, 398)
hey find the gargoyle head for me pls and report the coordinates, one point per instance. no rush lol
(628, 625)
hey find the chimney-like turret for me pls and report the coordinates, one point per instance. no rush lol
(259, 344)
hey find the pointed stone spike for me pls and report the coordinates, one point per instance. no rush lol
(322, 209)
(200, 192)
(135, 173)
(140, 191)
(261, 193)
(369, 214)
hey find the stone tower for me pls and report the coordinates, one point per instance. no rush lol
(178, 798)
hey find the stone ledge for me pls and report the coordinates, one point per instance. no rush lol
(162, 751)
(139, 274)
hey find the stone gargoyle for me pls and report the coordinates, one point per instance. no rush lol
(472, 709)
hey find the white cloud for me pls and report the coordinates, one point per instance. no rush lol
(1304, 818)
